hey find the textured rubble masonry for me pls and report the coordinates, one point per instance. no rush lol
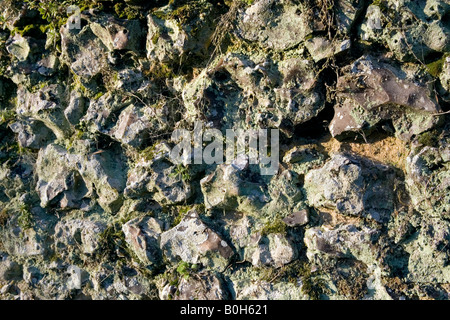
(374, 91)
(353, 186)
(92, 205)
(192, 241)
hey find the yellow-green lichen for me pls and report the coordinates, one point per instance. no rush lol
(435, 68)
(277, 226)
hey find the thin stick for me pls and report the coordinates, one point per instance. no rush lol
(440, 114)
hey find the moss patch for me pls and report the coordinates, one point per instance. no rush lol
(435, 68)
(278, 226)
(429, 138)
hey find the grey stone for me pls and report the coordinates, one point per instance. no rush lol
(204, 286)
(437, 37)
(83, 52)
(102, 110)
(345, 241)
(24, 242)
(287, 28)
(9, 269)
(247, 284)
(117, 34)
(371, 91)
(135, 125)
(445, 75)
(436, 8)
(48, 66)
(321, 48)
(32, 133)
(19, 47)
(168, 185)
(46, 105)
(58, 182)
(274, 249)
(227, 188)
(142, 235)
(428, 253)
(298, 218)
(77, 277)
(295, 97)
(411, 30)
(426, 170)
(353, 186)
(347, 11)
(67, 179)
(168, 40)
(76, 107)
(76, 233)
(192, 241)
(137, 180)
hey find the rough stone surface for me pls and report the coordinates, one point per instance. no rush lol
(289, 27)
(298, 218)
(204, 286)
(373, 91)
(94, 205)
(203, 245)
(9, 270)
(142, 235)
(82, 233)
(352, 187)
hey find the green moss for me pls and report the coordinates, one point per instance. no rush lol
(429, 139)
(111, 243)
(268, 274)
(435, 68)
(230, 3)
(30, 30)
(248, 2)
(155, 38)
(182, 211)
(181, 172)
(312, 285)
(382, 4)
(278, 226)
(11, 148)
(160, 72)
(3, 217)
(160, 15)
(125, 12)
(98, 95)
(185, 269)
(174, 274)
(76, 136)
(148, 154)
(6, 116)
(185, 12)
(25, 219)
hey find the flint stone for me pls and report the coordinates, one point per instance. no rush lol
(9, 270)
(32, 133)
(298, 218)
(205, 286)
(192, 241)
(143, 235)
(373, 91)
(353, 186)
(345, 241)
(84, 233)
